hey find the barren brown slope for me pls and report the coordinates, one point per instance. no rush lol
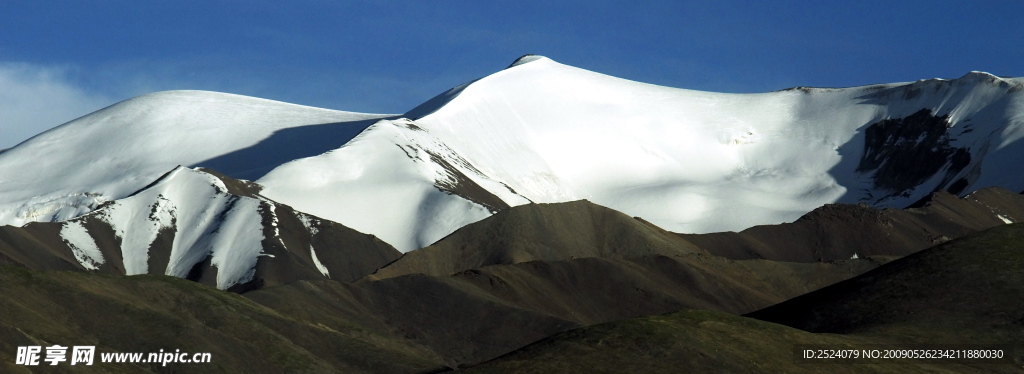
(147, 313)
(595, 290)
(36, 246)
(702, 341)
(839, 231)
(486, 311)
(967, 291)
(539, 232)
(479, 314)
(404, 324)
(832, 232)
(459, 323)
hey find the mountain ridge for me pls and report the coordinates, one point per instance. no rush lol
(106, 155)
(555, 133)
(200, 226)
(893, 305)
(839, 231)
(544, 132)
(581, 229)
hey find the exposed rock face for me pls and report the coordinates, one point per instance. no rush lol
(905, 152)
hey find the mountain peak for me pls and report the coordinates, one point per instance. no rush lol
(527, 58)
(973, 76)
(984, 78)
(979, 76)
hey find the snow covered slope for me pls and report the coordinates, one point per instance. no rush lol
(208, 228)
(543, 132)
(395, 181)
(688, 161)
(206, 220)
(106, 155)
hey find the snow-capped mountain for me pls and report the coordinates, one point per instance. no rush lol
(106, 155)
(540, 131)
(196, 224)
(688, 161)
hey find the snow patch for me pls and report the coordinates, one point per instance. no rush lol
(1005, 220)
(137, 222)
(59, 208)
(316, 261)
(274, 221)
(83, 247)
(309, 222)
(205, 219)
(210, 222)
(237, 246)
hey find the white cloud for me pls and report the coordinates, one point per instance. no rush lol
(36, 98)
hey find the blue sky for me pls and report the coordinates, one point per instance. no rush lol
(60, 60)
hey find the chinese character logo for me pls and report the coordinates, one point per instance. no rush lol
(55, 354)
(83, 354)
(28, 355)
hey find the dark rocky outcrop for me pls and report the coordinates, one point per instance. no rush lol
(904, 152)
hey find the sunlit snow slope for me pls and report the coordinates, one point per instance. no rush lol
(541, 131)
(209, 228)
(688, 161)
(206, 220)
(106, 155)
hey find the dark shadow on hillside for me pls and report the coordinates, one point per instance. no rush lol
(437, 102)
(299, 142)
(285, 145)
(897, 155)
